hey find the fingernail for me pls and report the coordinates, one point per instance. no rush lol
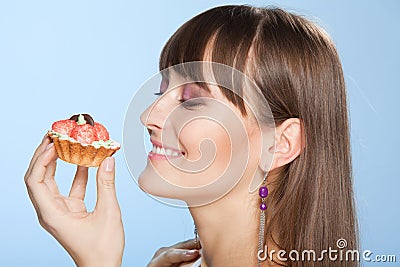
(49, 146)
(191, 252)
(44, 137)
(109, 164)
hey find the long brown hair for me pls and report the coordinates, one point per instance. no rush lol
(296, 66)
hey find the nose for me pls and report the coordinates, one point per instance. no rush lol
(153, 118)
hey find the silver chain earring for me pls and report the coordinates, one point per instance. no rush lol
(196, 237)
(263, 193)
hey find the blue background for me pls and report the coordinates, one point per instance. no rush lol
(63, 57)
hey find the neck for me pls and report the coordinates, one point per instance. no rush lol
(229, 227)
(228, 230)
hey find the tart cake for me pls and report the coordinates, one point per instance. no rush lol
(82, 141)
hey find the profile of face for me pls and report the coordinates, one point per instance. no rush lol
(203, 146)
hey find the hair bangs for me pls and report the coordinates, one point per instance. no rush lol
(209, 37)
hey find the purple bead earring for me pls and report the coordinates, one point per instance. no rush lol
(263, 193)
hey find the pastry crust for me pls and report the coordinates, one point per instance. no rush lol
(83, 155)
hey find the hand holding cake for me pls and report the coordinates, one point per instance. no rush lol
(82, 141)
(92, 238)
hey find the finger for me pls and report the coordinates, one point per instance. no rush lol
(43, 160)
(174, 256)
(188, 244)
(38, 151)
(106, 195)
(38, 190)
(49, 177)
(78, 188)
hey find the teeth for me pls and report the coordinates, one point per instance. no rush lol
(163, 151)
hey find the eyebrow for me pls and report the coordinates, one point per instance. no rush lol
(203, 85)
(166, 74)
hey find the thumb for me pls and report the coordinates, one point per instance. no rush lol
(106, 195)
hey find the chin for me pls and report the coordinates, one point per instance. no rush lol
(151, 183)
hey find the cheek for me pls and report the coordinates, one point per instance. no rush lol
(207, 143)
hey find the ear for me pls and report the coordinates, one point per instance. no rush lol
(288, 142)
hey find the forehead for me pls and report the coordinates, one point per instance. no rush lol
(207, 82)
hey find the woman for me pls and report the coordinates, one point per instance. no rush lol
(305, 187)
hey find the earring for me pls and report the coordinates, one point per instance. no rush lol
(263, 193)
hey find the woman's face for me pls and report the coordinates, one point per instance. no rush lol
(202, 144)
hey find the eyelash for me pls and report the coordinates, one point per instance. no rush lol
(191, 104)
(188, 104)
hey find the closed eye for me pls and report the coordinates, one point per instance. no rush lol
(192, 103)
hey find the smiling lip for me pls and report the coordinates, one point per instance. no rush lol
(161, 152)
